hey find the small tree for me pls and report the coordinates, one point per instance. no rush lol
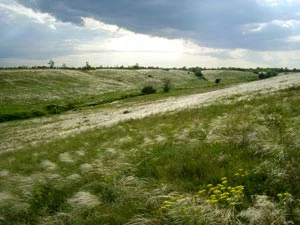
(87, 66)
(51, 63)
(261, 75)
(166, 84)
(199, 74)
(136, 66)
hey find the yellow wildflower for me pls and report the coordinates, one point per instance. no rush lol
(217, 192)
(201, 192)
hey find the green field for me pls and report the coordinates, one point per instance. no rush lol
(232, 162)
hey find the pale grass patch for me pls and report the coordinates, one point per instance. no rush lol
(126, 139)
(133, 188)
(191, 210)
(182, 135)
(271, 168)
(80, 153)
(6, 197)
(216, 131)
(148, 141)
(84, 199)
(4, 173)
(13, 202)
(160, 139)
(57, 219)
(74, 177)
(66, 157)
(231, 129)
(143, 220)
(53, 176)
(86, 168)
(111, 152)
(293, 131)
(24, 183)
(263, 212)
(48, 165)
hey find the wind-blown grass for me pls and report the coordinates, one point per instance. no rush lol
(150, 171)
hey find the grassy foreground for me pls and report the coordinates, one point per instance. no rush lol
(232, 163)
(33, 93)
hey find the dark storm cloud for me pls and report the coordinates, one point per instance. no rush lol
(212, 23)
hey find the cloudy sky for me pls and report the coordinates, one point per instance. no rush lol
(210, 33)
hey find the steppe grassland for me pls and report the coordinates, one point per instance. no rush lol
(84, 117)
(31, 93)
(158, 170)
(229, 76)
(27, 88)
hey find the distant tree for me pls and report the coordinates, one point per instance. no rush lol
(217, 81)
(199, 73)
(166, 84)
(87, 65)
(51, 63)
(64, 66)
(136, 66)
(261, 75)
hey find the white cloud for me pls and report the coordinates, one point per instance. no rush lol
(275, 3)
(93, 24)
(286, 23)
(17, 9)
(259, 27)
(295, 38)
(253, 27)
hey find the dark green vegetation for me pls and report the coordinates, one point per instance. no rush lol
(154, 171)
(32, 93)
(148, 90)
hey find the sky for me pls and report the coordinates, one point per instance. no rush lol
(165, 33)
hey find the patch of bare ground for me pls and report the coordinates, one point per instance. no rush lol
(39, 130)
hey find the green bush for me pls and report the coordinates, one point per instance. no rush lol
(148, 90)
(199, 74)
(217, 81)
(166, 85)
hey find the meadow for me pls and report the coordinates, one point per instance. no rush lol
(235, 161)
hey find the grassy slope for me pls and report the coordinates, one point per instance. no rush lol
(153, 172)
(229, 77)
(31, 93)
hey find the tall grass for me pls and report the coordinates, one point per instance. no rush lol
(154, 170)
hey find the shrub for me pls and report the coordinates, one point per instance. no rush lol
(166, 84)
(148, 90)
(261, 76)
(217, 81)
(199, 74)
(57, 109)
(268, 74)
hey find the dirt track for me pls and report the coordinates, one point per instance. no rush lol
(18, 134)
